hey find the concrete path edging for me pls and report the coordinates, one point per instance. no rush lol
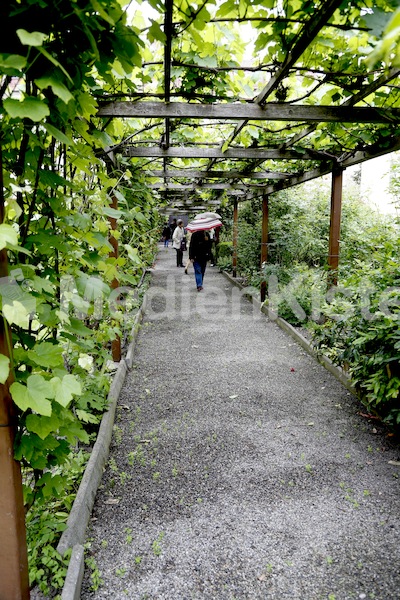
(83, 504)
(73, 580)
(296, 335)
(74, 535)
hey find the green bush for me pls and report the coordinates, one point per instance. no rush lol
(295, 294)
(46, 520)
(362, 331)
(249, 248)
(224, 250)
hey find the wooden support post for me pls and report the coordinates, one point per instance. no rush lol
(235, 237)
(116, 343)
(334, 230)
(14, 580)
(264, 244)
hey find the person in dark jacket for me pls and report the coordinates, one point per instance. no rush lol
(166, 234)
(199, 253)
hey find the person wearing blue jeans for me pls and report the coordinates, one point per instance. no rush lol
(199, 253)
(166, 234)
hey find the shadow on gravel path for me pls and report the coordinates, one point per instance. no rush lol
(239, 467)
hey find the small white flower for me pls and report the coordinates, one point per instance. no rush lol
(85, 361)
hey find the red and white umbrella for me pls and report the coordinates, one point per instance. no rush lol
(204, 223)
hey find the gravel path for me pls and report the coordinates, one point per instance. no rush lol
(239, 467)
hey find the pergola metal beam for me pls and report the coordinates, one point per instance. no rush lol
(252, 112)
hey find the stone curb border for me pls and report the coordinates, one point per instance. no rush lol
(75, 533)
(296, 335)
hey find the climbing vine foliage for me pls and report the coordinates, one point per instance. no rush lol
(61, 297)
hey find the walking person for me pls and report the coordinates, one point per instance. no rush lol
(188, 262)
(212, 247)
(173, 226)
(199, 253)
(166, 234)
(177, 238)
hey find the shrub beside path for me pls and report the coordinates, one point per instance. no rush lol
(239, 468)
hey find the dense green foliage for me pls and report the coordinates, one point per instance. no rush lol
(361, 328)
(68, 294)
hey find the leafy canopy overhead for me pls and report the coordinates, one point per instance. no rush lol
(292, 53)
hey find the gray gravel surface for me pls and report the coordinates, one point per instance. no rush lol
(240, 468)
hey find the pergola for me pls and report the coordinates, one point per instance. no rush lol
(320, 94)
(320, 107)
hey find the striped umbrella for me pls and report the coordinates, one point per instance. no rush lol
(208, 215)
(203, 224)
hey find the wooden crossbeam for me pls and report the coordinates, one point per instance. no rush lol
(358, 97)
(193, 174)
(347, 160)
(350, 159)
(182, 193)
(210, 186)
(242, 153)
(252, 112)
(308, 32)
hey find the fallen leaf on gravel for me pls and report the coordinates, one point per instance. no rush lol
(112, 501)
(394, 462)
(262, 577)
(368, 416)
